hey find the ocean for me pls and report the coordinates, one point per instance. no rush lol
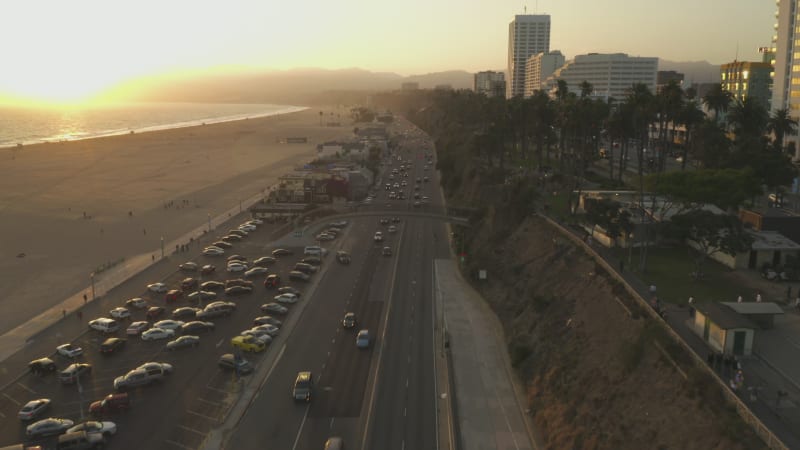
(29, 125)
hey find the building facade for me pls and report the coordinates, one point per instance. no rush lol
(786, 72)
(528, 35)
(489, 83)
(664, 77)
(748, 80)
(610, 74)
(539, 67)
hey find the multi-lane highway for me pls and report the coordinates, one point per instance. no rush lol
(379, 397)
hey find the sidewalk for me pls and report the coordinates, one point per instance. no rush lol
(487, 410)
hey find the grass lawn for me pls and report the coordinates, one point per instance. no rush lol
(669, 269)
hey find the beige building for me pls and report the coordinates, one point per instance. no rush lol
(539, 67)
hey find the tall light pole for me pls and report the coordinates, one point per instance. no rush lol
(209, 222)
(91, 277)
(162, 247)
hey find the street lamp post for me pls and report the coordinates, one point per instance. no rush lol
(91, 277)
(162, 247)
(209, 222)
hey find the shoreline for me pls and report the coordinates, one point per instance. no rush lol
(285, 109)
(72, 207)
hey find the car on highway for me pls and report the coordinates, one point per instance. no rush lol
(281, 252)
(136, 328)
(343, 257)
(105, 429)
(296, 275)
(213, 251)
(136, 303)
(274, 308)
(289, 290)
(173, 295)
(120, 312)
(362, 339)
(69, 350)
(338, 224)
(238, 282)
(112, 345)
(255, 271)
(154, 312)
(157, 287)
(34, 409)
(196, 326)
(272, 280)
(111, 403)
(188, 283)
(168, 324)
(392, 229)
(387, 251)
(42, 365)
(264, 261)
(325, 236)
(238, 290)
(385, 220)
(378, 236)
(208, 269)
(155, 334)
(349, 320)
(285, 298)
(229, 361)
(221, 244)
(188, 266)
(104, 325)
(185, 312)
(212, 285)
(303, 386)
(266, 320)
(74, 371)
(197, 296)
(185, 341)
(48, 427)
(138, 377)
(248, 344)
(271, 330)
(334, 443)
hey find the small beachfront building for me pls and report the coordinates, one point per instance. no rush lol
(723, 329)
(761, 313)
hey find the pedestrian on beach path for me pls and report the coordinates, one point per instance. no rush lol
(758, 297)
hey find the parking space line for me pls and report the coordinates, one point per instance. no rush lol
(216, 389)
(11, 398)
(177, 444)
(26, 388)
(201, 433)
(217, 404)
(213, 419)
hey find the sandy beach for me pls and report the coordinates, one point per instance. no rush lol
(71, 207)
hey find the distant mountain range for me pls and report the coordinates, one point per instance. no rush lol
(309, 85)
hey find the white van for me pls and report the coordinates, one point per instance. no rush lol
(315, 250)
(104, 325)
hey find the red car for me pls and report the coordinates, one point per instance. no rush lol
(272, 281)
(110, 404)
(154, 311)
(174, 295)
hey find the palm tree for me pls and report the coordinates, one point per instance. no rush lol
(691, 117)
(670, 102)
(781, 124)
(748, 119)
(718, 100)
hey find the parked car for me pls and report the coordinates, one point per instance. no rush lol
(155, 334)
(137, 303)
(198, 296)
(188, 266)
(173, 295)
(104, 325)
(154, 312)
(230, 362)
(298, 276)
(183, 342)
(69, 350)
(264, 261)
(289, 290)
(48, 427)
(272, 280)
(255, 271)
(120, 313)
(34, 409)
(74, 371)
(238, 282)
(112, 345)
(266, 320)
(111, 403)
(94, 427)
(281, 252)
(159, 288)
(238, 290)
(136, 328)
(185, 311)
(222, 244)
(42, 365)
(188, 283)
(286, 298)
(212, 286)
(274, 308)
(248, 344)
(208, 269)
(196, 326)
(168, 324)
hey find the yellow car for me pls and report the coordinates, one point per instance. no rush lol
(248, 344)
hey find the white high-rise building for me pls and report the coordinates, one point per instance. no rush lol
(527, 35)
(539, 67)
(610, 74)
(786, 72)
(489, 83)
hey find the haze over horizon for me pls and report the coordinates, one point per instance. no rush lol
(79, 49)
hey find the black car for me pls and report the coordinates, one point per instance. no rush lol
(230, 362)
(196, 327)
(212, 286)
(111, 345)
(42, 365)
(281, 252)
(238, 290)
(349, 320)
(264, 261)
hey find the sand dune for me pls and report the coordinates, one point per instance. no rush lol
(46, 189)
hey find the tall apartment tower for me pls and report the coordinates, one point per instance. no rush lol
(786, 71)
(528, 35)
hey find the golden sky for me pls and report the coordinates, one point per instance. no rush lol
(61, 51)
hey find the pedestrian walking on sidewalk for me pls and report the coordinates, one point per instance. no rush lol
(691, 307)
(85, 298)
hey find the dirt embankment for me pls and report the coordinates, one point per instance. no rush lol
(597, 377)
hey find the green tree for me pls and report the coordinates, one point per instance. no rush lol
(781, 124)
(718, 100)
(710, 233)
(748, 119)
(689, 190)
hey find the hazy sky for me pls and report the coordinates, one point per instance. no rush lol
(66, 49)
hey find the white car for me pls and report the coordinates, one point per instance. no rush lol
(260, 335)
(168, 324)
(136, 328)
(93, 426)
(325, 237)
(157, 287)
(392, 229)
(154, 334)
(286, 298)
(137, 302)
(120, 313)
(236, 267)
(271, 330)
(378, 237)
(274, 308)
(255, 271)
(165, 367)
(213, 251)
(256, 221)
(69, 350)
(247, 227)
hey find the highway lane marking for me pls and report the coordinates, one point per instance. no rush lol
(191, 430)
(26, 388)
(12, 399)
(220, 342)
(300, 430)
(216, 389)
(177, 444)
(209, 402)
(331, 426)
(213, 419)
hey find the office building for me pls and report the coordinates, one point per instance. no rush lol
(539, 67)
(490, 83)
(664, 77)
(611, 75)
(747, 80)
(786, 70)
(527, 35)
